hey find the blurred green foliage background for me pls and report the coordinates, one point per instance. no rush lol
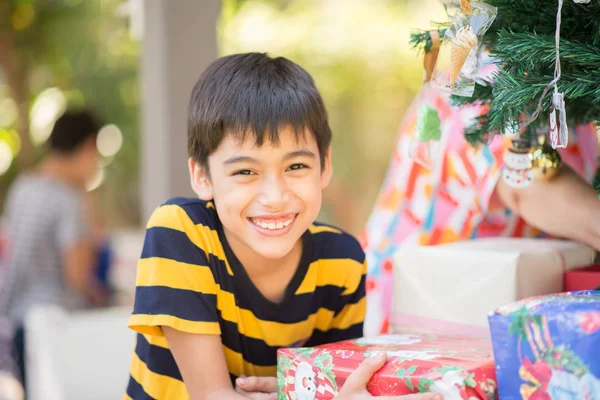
(55, 53)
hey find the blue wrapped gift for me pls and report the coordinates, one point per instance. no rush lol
(548, 347)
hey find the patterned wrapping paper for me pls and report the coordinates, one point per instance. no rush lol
(548, 347)
(459, 367)
(454, 201)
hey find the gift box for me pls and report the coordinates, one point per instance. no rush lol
(548, 347)
(462, 282)
(587, 278)
(459, 367)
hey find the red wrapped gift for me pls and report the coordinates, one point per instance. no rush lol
(459, 367)
(587, 278)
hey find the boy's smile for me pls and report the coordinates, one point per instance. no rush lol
(273, 225)
(266, 196)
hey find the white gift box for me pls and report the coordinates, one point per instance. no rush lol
(448, 286)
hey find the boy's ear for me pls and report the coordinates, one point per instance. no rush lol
(327, 171)
(200, 180)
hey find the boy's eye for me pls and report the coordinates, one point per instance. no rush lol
(294, 167)
(243, 172)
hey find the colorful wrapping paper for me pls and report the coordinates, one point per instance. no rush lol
(548, 347)
(459, 367)
(453, 201)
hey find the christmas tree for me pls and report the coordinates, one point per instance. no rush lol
(522, 41)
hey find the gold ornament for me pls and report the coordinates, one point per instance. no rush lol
(545, 161)
(466, 6)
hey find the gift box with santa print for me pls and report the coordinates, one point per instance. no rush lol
(459, 367)
(548, 347)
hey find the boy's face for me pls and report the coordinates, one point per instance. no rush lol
(267, 196)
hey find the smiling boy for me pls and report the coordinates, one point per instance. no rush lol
(227, 279)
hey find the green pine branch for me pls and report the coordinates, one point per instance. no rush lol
(514, 96)
(421, 40)
(521, 40)
(529, 51)
(579, 22)
(480, 94)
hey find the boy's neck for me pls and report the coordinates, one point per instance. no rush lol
(257, 266)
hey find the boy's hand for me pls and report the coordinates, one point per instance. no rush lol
(257, 388)
(355, 387)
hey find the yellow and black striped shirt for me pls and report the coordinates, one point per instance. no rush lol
(189, 279)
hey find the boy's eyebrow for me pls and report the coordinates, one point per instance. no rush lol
(238, 159)
(288, 156)
(299, 153)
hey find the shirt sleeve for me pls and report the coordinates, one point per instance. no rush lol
(175, 286)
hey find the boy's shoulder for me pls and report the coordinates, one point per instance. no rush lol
(333, 242)
(183, 209)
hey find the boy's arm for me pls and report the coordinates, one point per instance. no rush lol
(176, 299)
(201, 361)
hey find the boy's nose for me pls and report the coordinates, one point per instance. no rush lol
(274, 194)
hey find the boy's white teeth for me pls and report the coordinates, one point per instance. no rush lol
(272, 225)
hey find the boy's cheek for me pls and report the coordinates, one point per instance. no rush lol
(231, 191)
(233, 200)
(310, 192)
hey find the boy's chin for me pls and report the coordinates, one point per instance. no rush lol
(274, 251)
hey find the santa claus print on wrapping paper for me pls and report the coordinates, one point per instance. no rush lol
(309, 377)
(556, 373)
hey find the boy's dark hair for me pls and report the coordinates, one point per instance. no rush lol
(71, 130)
(254, 94)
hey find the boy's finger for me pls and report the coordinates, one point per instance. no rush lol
(240, 391)
(358, 379)
(258, 384)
